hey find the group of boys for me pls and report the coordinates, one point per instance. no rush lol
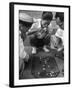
(41, 36)
(44, 36)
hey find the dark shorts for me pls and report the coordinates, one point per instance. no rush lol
(36, 42)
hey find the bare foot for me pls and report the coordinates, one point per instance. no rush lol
(33, 50)
(45, 49)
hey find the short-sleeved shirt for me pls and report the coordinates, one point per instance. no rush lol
(60, 34)
(55, 38)
(36, 25)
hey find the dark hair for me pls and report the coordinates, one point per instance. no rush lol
(25, 27)
(27, 24)
(60, 15)
(47, 16)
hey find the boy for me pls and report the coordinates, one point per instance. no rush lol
(25, 22)
(57, 39)
(40, 26)
(60, 32)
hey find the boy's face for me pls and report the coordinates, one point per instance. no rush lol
(61, 24)
(45, 23)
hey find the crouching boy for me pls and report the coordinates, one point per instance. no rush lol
(41, 27)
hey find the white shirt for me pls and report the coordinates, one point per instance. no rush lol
(22, 53)
(36, 25)
(60, 34)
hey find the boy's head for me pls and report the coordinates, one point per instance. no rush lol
(60, 19)
(25, 22)
(46, 18)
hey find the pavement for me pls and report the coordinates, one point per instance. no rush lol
(28, 66)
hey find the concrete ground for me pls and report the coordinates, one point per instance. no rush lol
(27, 71)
